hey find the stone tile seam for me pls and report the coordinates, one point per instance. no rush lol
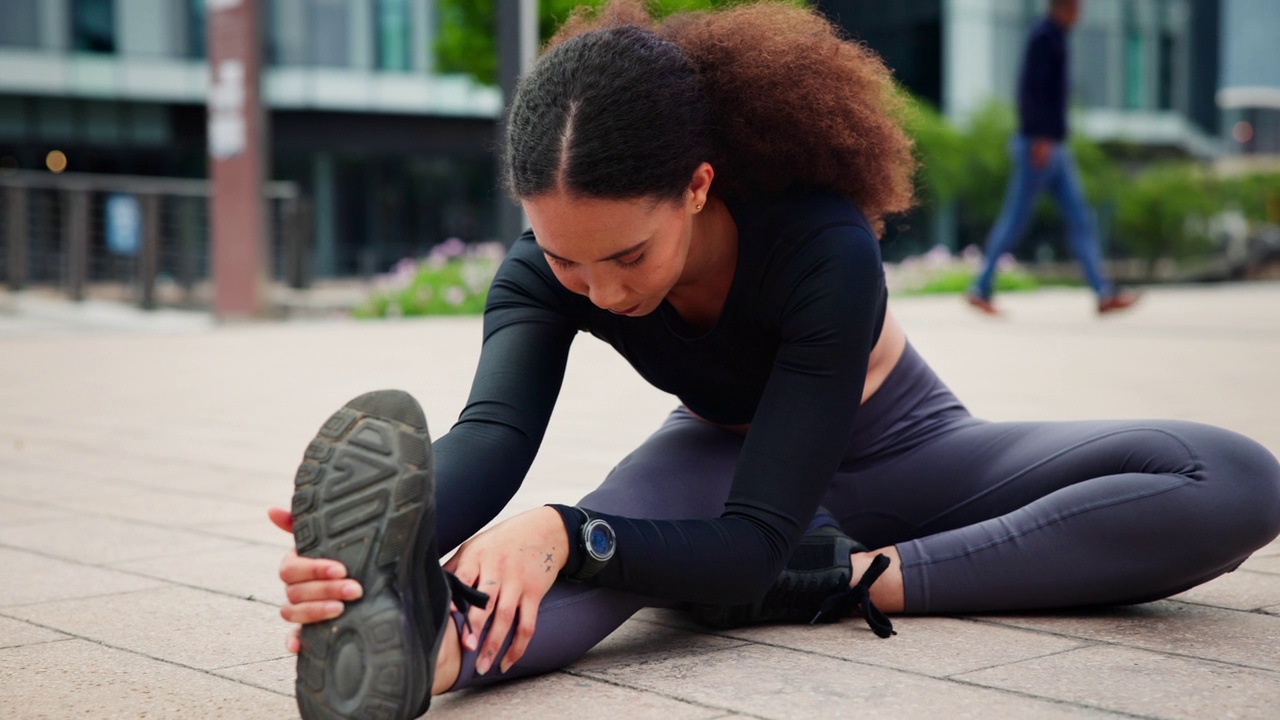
(1083, 644)
(254, 662)
(945, 679)
(166, 661)
(3, 648)
(592, 675)
(1184, 656)
(125, 571)
(137, 485)
(96, 449)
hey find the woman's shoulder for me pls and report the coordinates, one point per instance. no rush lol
(802, 216)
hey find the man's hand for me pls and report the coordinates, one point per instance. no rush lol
(515, 562)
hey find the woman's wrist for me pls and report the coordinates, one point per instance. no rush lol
(571, 521)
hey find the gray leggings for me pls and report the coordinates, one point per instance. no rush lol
(986, 516)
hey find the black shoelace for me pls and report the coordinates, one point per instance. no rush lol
(858, 597)
(465, 597)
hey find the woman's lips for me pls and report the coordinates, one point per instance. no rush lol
(628, 311)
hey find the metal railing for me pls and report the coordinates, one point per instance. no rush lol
(146, 238)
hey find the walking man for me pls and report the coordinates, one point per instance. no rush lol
(1043, 161)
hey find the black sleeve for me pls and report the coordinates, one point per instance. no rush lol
(482, 460)
(828, 315)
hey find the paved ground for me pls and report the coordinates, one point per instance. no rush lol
(138, 453)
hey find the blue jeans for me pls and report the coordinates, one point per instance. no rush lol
(1060, 178)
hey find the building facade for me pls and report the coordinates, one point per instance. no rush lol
(1143, 72)
(393, 156)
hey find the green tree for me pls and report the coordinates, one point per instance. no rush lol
(466, 44)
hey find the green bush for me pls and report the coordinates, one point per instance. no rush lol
(453, 280)
(1162, 212)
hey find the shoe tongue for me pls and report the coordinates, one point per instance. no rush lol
(811, 556)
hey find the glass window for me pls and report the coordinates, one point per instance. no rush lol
(21, 23)
(195, 28)
(93, 26)
(393, 23)
(330, 39)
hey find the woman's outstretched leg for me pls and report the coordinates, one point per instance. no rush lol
(1018, 516)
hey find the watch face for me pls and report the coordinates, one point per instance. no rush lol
(600, 540)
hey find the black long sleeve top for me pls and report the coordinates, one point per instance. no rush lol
(1042, 85)
(788, 354)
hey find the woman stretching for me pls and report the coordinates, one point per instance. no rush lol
(705, 195)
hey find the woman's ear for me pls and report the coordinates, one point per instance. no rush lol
(700, 186)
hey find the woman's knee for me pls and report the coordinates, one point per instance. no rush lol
(1245, 478)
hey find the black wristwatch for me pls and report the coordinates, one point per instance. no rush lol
(597, 544)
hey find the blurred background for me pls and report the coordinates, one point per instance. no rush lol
(340, 154)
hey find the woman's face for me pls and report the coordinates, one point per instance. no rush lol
(625, 255)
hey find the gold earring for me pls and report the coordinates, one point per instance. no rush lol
(697, 208)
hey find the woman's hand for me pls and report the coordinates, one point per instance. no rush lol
(314, 588)
(515, 562)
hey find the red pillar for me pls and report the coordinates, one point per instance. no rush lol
(237, 167)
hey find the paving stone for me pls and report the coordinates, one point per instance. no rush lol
(27, 578)
(248, 571)
(1239, 590)
(1230, 636)
(1268, 564)
(276, 675)
(15, 632)
(1140, 682)
(259, 531)
(189, 627)
(639, 642)
(929, 646)
(773, 682)
(101, 541)
(564, 697)
(14, 513)
(79, 679)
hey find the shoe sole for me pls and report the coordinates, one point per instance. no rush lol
(364, 497)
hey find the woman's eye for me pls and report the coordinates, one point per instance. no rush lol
(558, 262)
(631, 263)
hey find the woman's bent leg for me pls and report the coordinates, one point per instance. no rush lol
(682, 471)
(1016, 516)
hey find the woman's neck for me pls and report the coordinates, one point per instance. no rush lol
(700, 294)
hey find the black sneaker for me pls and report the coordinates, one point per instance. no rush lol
(813, 588)
(366, 497)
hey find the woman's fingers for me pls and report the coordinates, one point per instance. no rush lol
(294, 641)
(527, 618)
(503, 617)
(281, 518)
(296, 569)
(311, 612)
(343, 590)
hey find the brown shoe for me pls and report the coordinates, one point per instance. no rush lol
(981, 304)
(1118, 301)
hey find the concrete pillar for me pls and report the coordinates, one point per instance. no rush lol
(237, 159)
(969, 60)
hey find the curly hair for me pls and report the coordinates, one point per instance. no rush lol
(622, 105)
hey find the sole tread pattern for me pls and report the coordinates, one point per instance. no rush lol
(360, 494)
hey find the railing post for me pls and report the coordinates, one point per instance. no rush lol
(75, 233)
(16, 232)
(149, 253)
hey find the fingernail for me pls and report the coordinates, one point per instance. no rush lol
(504, 666)
(337, 571)
(471, 641)
(482, 665)
(352, 590)
(333, 608)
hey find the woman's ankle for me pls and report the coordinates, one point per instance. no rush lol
(886, 592)
(449, 661)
